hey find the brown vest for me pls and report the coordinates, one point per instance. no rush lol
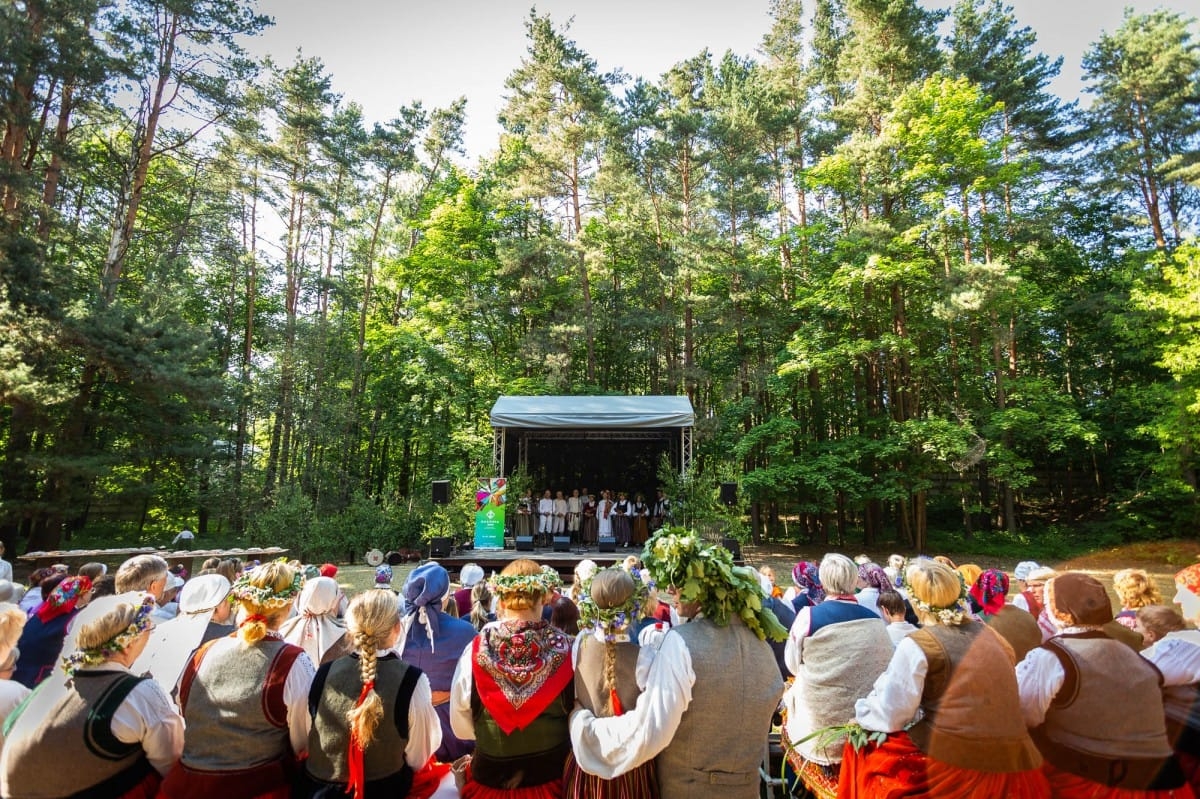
(721, 738)
(589, 676)
(1019, 628)
(971, 700)
(73, 749)
(1106, 723)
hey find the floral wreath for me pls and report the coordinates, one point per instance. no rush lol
(553, 578)
(949, 615)
(611, 625)
(90, 656)
(264, 596)
(524, 583)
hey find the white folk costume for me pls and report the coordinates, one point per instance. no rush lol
(574, 515)
(708, 698)
(604, 518)
(545, 515)
(560, 514)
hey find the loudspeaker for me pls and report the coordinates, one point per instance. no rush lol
(608, 545)
(562, 543)
(441, 492)
(524, 543)
(440, 547)
(734, 547)
(728, 493)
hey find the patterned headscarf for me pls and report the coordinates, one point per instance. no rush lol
(875, 577)
(383, 576)
(63, 598)
(1189, 578)
(806, 578)
(989, 591)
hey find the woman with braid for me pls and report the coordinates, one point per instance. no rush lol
(606, 659)
(245, 699)
(512, 693)
(374, 729)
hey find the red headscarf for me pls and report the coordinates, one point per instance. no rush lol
(63, 598)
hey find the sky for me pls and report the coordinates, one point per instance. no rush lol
(384, 54)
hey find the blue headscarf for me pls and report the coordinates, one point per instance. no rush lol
(426, 585)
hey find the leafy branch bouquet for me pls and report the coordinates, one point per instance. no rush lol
(705, 574)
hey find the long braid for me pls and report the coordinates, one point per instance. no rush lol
(610, 669)
(370, 617)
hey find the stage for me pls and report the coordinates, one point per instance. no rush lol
(494, 560)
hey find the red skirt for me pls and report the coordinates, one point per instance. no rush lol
(547, 790)
(1065, 785)
(897, 769)
(146, 789)
(268, 781)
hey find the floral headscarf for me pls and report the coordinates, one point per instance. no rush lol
(806, 578)
(989, 591)
(875, 577)
(1189, 578)
(64, 598)
(383, 576)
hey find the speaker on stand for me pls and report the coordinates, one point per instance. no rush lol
(441, 492)
(728, 493)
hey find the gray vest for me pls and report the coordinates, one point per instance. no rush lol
(235, 715)
(335, 697)
(722, 735)
(589, 676)
(73, 748)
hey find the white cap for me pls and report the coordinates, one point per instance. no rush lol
(470, 574)
(1024, 568)
(203, 593)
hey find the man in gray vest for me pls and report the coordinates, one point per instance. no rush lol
(710, 691)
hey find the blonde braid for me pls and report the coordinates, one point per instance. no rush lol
(370, 617)
(610, 671)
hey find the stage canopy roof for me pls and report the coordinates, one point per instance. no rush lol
(593, 412)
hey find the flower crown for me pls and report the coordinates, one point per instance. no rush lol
(611, 625)
(264, 596)
(90, 656)
(523, 583)
(951, 614)
(553, 579)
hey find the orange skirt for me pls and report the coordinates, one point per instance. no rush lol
(897, 769)
(1065, 785)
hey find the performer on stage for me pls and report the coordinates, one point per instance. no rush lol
(604, 515)
(660, 514)
(641, 519)
(574, 513)
(621, 527)
(524, 524)
(560, 513)
(545, 516)
(590, 526)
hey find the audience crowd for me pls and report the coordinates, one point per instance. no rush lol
(670, 674)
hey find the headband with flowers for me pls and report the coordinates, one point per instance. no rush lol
(264, 596)
(951, 614)
(504, 584)
(553, 578)
(92, 656)
(612, 625)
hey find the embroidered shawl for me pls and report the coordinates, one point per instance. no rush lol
(519, 668)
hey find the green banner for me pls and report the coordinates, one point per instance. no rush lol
(489, 513)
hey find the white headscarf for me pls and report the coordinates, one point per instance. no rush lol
(315, 627)
(172, 642)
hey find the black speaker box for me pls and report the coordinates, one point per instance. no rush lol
(734, 547)
(441, 492)
(393, 558)
(608, 545)
(524, 543)
(728, 493)
(440, 547)
(562, 543)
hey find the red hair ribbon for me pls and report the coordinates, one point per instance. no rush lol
(357, 781)
(253, 617)
(616, 702)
